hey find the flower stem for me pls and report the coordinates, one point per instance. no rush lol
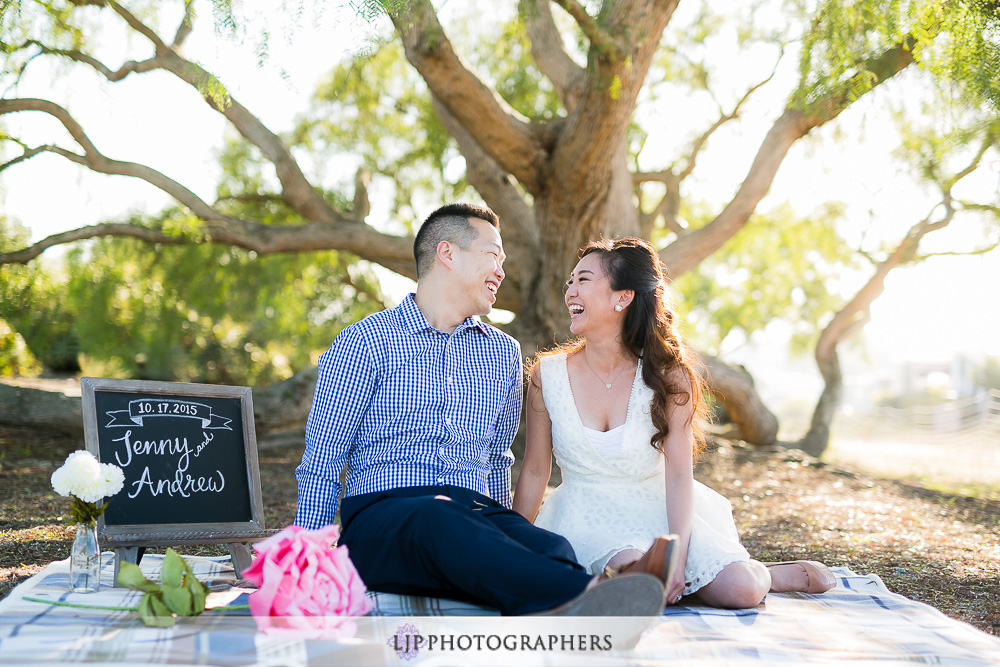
(59, 603)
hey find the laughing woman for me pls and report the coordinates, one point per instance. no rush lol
(619, 408)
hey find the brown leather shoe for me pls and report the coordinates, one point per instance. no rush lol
(819, 578)
(659, 561)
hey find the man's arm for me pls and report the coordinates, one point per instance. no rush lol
(501, 458)
(344, 386)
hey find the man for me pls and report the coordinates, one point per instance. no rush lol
(419, 404)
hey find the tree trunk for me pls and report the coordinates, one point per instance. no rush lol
(26, 407)
(734, 388)
(281, 406)
(850, 319)
(817, 438)
(284, 405)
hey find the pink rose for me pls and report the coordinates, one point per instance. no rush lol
(305, 584)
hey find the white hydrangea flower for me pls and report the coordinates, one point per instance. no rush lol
(114, 479)
(83, 476)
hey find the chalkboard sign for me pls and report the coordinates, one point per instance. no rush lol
(189, 454)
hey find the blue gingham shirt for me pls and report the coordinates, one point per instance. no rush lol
(400, 404)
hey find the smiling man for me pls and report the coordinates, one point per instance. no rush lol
(419, 404)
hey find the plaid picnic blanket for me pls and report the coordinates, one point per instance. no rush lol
(858, 622)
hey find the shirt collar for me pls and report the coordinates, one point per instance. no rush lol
(412, 320)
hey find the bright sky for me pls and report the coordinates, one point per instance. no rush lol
(932, 311)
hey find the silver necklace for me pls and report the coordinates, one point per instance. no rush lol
(607, 384)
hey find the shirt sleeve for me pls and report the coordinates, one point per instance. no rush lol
(344, 386)
(501, 458)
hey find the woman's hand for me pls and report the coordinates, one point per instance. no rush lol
(675, 587)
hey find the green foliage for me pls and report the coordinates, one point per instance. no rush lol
(954, 40)
(942, 139)
(179, 592)
(782, 266)
(968, 54)
(33, 329)
(15, 358)
(843, 36)
(80, 511)
(210, 313)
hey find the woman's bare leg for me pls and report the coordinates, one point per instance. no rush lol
(625, 557)
(740, 585)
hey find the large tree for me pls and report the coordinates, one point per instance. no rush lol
(557, 180)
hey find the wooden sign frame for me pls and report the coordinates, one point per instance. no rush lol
(131, 540)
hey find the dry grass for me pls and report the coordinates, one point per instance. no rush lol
(930, 546)
(959, 465)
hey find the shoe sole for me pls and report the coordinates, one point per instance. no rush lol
(629, 595)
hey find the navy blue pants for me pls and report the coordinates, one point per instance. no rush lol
(450, 542)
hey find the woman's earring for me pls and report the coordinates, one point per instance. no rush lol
(618, 308)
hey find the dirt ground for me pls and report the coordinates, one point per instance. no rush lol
(941, 549)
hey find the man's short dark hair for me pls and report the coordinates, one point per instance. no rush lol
(448, 223)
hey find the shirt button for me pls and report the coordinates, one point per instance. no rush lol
(449, 379)
(448, 421)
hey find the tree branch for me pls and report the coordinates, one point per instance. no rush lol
(990, 139)
(361, 205)
(688, 251)
(27, 155)
(598, 38)
(591, 137)
(664, 176)
(361, 288)
(506, 136)
(838, 328)
(567, 77)
(187, 24)
(94, 160)
(392, 252)
(723, 119)
(85, 58)
(968, 253)
(668, 206)
(517, 219)
(296, 189)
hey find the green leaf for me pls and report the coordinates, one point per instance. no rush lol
(177, 600)
(199, 592)
(154, 613)
(172, 570)
(130, 576)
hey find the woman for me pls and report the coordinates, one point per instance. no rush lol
(619, 408)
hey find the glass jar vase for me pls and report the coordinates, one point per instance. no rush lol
(85, 560)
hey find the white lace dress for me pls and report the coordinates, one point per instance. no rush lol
(609, 502)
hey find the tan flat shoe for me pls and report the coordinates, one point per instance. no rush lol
(819, 578)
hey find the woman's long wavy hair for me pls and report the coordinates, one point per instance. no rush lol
(649, 331)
